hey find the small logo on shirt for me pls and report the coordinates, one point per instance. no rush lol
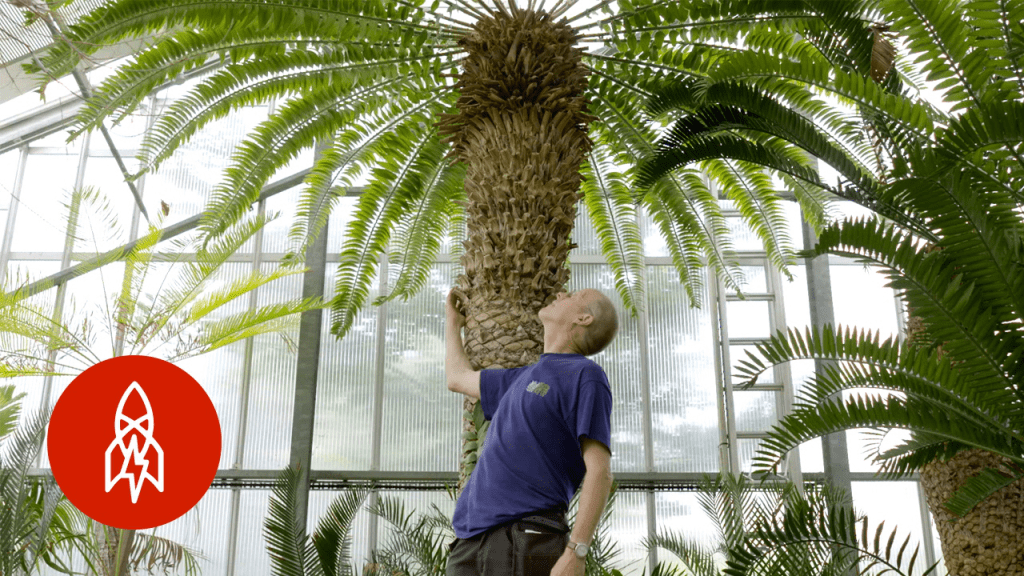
(538, 388)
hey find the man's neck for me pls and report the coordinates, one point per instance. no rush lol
(557, 344)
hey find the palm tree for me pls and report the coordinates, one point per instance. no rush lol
(182, 317)
(778, 528)
(949, 186)
(502, 116)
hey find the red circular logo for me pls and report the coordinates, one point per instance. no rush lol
(134, 442)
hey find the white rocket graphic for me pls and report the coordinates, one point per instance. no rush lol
(132, 452)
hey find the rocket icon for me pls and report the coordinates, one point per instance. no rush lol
(128, 432)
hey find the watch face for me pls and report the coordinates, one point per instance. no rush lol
(581, 550)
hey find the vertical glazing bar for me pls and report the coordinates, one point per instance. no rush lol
(719, 335)
(12, 212)
(927, 536)
(65, 262)
(819, 292)
(243, 402)
(378, 396)
(783, 375)
(647, 422)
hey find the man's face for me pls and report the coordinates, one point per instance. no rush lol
(566, 307)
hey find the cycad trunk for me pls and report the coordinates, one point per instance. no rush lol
(522, 132)
(989, 541)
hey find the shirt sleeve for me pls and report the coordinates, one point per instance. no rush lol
(594, 409)
(493, 385)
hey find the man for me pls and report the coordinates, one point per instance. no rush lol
(550, 432)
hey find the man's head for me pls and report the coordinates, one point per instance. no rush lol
(587, 317)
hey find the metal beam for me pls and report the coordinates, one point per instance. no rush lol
(307, 368)
(170, 232)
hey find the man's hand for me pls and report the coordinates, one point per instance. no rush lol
(452, 306)
(569, 565)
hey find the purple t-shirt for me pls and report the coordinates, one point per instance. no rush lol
(531, 458)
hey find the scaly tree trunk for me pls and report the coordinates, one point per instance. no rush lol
(522, 132)
(988, 541)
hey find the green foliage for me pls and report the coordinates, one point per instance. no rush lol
(347, 74)
(33, 512)
(945, 186)
(777, 528)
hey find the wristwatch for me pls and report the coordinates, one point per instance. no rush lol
(579, 548)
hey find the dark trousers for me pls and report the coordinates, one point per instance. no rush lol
(529, 546)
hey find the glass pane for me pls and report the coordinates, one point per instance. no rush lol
(754, 280)
(41, 220)
(683, 379)
(583, 233)
(272, 384)
(681, 513)
(422, 418)
(8, 171)
(795, 299)
(895, 503)
(204, 529)
(748, 319)
(344, 395)
(755, 411)
(654, 243)
(275, 234)
(861, 299)
(621, 362)
(742, 236)
(625, 532)
(748, 449)
(811, 457)
(251, 555)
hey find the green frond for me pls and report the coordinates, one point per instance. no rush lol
(613, 215)
(860, 411)
(378, 211)
(864, 362)
(333, 536)
(751, 188)
(352, 152)
(966, 325)
(290, 550)
(353, 67)
(10, 409)
(417, 239)
(134, 18)
(978, 488)
(238, 287)
(828, 533)
(300, 123)
(938, 35)
(152, 551)
(683, 207)
(280, 317)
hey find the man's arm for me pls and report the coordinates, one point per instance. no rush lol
(597, 483)
(458, 372)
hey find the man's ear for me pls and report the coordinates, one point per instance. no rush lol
(584, 319)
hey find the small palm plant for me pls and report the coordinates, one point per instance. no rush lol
(777, 529)
(35, 517)
(181, 318)
(328, 551)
